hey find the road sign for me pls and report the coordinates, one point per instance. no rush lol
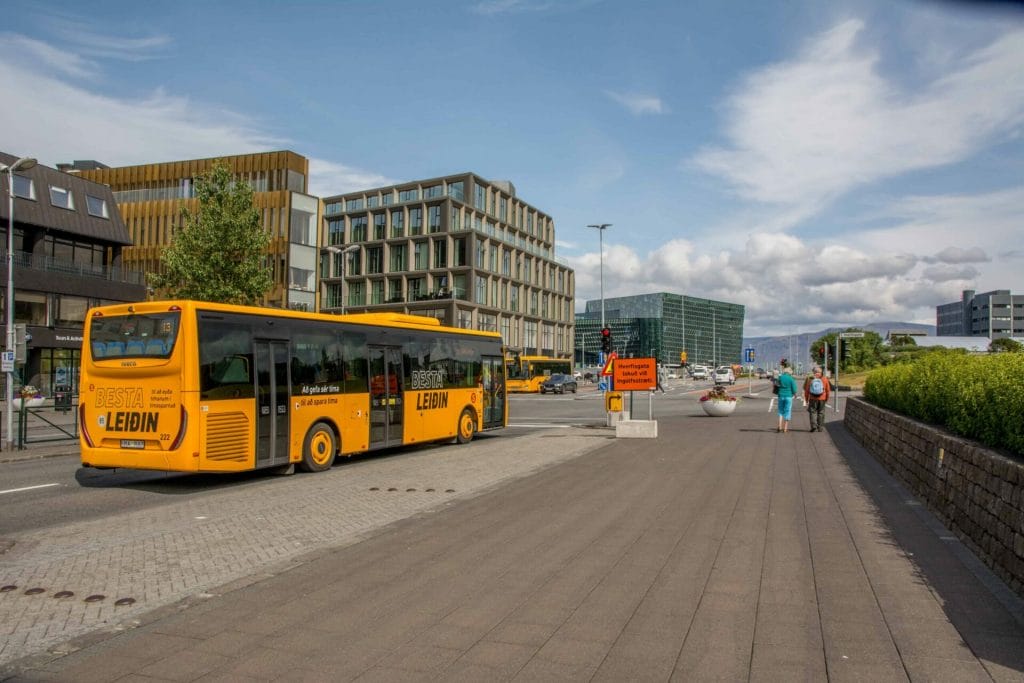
(635, 374)
(7, 365)
(851, 335)
(607, 370)
(748, 355)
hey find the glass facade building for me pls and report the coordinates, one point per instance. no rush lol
(663, 325)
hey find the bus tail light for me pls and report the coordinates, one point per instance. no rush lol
(181, 430)
(82, 426)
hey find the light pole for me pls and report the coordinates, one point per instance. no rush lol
(338, 250)
(601, 227)
(22, 164)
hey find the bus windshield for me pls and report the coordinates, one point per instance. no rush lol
(121, 336)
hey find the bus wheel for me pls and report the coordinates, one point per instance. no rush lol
(466, 427)
(318, 449)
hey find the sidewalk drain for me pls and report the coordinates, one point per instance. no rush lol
(391, 489)
(37, 590)
(8, 588)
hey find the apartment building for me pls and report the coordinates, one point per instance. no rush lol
(150, 198)
(68, 244)
(459, 248)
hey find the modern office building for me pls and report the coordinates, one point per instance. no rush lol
(151, 196)
(663, 325)
(994, 314)
(459, 248)
(68, 242)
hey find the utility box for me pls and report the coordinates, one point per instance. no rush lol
(613, 402)
(62, 398)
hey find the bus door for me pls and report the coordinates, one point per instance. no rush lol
(494, 392)
(385, 396)
(271, 402)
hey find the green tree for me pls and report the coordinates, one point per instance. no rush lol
(218, 253)
(861, 353)
(1005, 345)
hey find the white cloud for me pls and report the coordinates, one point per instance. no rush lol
(638, 104)
(804, 132)
(327, 178)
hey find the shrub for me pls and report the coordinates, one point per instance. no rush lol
(978, 397)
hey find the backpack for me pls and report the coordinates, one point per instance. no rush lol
(817, 387)
(775, 385)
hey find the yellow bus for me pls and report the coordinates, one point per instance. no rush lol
(525, 374)
(190, 386)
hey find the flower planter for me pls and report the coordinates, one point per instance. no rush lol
(718, 408)
(21, 404)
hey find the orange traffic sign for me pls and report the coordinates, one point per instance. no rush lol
(635, 374)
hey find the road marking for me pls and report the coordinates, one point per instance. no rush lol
(29, 488)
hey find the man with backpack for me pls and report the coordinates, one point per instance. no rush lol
(816, 392)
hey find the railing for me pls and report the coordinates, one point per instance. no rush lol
(51, 265)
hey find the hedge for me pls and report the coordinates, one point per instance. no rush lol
(978, 397)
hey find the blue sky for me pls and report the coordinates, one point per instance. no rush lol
(823, 163)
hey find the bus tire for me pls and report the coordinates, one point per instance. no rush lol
(319, 448)
(466, 426)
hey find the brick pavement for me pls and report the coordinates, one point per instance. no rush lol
(719, 550)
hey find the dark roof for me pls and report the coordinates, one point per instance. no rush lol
(41, 213)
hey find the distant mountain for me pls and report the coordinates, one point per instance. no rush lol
(768, 351)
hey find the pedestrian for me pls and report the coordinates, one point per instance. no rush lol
(816, 393)
(787, 390)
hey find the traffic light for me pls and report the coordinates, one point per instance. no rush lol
(606, 339)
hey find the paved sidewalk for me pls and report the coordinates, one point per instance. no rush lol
(720, 550)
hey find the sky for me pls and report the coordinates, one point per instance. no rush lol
(822, 163)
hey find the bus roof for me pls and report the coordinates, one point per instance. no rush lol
(387, 319)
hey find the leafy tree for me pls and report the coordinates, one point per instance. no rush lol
(1005, 345)
(218, 254)
(862, 353)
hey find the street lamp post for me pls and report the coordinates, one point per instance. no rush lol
(601, 227)
(22, 164)
(342, 252)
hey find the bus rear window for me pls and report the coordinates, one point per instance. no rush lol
(149, 335)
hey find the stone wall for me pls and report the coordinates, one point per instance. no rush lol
(977, 492)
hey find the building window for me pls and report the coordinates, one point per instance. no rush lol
(481, 289)
(530, 335)
(374, 260)
(397, 258)
(432, 191)
(459, 257)
(335, 231)
(398, 223)
(417, 288)
(373, 201)
(481, 262)
(457, 191)
(359, 229)
(409, 195)
(332, 208)
(388, 198)
(97, 207)
(416, 221)
(506, 263)
(459, 290)
(434, 218)
(455, 220)
(420, 256)
(394, 290)
(494, 258)
(61, 197)
(465, 319)
(356, 294)
(514, 299)
(70, 310)
(377, 292)
(503, 210)
(24, 187)
(441, 253)
(487, 323)
(354, 204)
(479, 196)
(379, 221)
(300, 278)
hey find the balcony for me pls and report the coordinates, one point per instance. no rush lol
(49, 264)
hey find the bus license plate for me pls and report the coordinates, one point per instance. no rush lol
(132, 443)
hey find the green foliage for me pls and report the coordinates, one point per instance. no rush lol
(1005, 344)
(978, 397)
(862, 353)
(218, 254)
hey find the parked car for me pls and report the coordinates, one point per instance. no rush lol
(724, 375)
(699, 372)
(558, 384)
(673, 375)
(761, 373)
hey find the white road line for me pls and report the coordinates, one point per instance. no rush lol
(29, 488)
